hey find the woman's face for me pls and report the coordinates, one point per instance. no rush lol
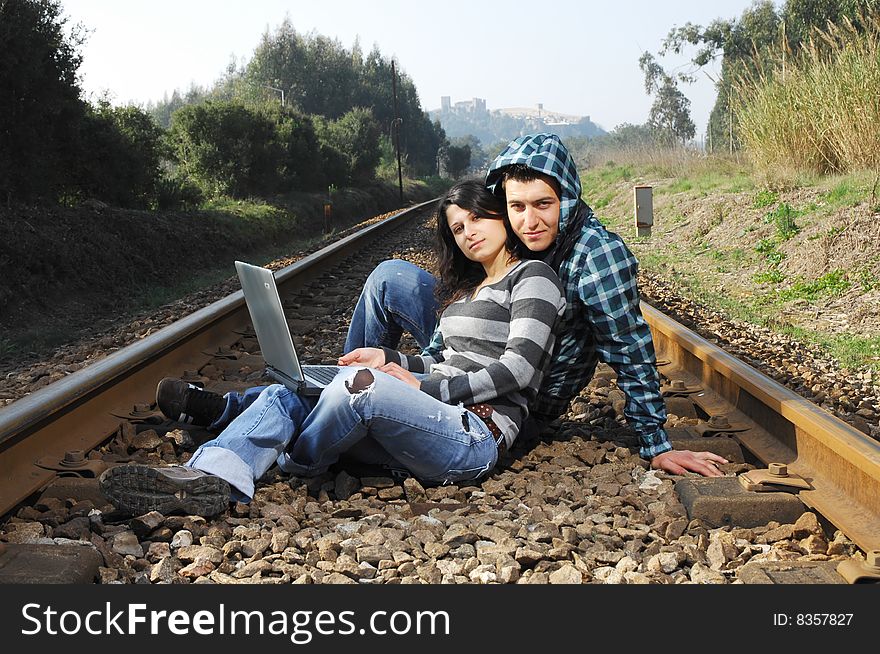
(480, 239)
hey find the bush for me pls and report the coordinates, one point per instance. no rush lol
(227, 148)
(177, 193)
(355, 137)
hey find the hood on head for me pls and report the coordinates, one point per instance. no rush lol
(546, 154)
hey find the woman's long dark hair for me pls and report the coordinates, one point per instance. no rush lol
(459, 276)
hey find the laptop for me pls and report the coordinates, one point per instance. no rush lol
(273, 334)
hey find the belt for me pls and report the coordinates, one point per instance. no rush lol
(484, 411)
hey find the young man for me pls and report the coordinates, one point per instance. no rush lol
(538, 179)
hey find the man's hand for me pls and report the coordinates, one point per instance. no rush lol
(677, 462)
(400, 373)
(371, 357)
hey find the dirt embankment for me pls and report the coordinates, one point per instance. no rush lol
(67, 271)
(823, 277)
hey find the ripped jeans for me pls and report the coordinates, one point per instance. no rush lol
(370, 415)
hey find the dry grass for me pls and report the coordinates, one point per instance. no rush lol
(820, 111)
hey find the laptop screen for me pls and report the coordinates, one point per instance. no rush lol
(267, 315)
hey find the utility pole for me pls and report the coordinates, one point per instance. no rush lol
(397, 130)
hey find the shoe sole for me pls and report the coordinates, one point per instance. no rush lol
(137, 489)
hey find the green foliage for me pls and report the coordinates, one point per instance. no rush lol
(226, 148)
(762, 36)
(833, 283)
(355, 137)
(123, 151)
(39, 99)
(319, 77)
(844, 194)
(868, 278)
(628, 135)
(773, 276)
(767, 247)
(784, 219)
(479, 156)
(387, 168)
(670, 117)
(175, 193)
(764, 198)
(457, 160)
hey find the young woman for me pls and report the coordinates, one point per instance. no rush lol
(442, 415)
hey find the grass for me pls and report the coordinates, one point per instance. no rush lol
(760, 303)
(765, 198)
(867, 278)
(784, 219)
(850, 351)
(833, 283)
(7, 347)
(816, 111)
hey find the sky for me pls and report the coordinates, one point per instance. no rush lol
(576, 57)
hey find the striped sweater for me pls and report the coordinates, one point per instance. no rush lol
(495, 345)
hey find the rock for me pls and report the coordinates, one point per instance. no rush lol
(126, 543)
(414, 491)
(700, 574)
(345, 485)
(483, 574)
(198, 553)
(182, 538)
(567, 574)
(665, 562)
(158, 551)
(143, 525)
(722, 548)
(75, 529)
(806, 525)
(145, 440)
(165, 571)
(459, 534)
(373, 554)
(25, 532)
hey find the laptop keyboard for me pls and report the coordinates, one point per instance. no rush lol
(321, 374)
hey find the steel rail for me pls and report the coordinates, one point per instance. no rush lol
(84, 409)
(841, 463)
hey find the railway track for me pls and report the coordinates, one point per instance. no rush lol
(103, 415)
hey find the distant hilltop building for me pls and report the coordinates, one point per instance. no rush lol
(475, 106)
(550, 118)
(473, 118)
(478, 106)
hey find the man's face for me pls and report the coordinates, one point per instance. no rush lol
(533, 210)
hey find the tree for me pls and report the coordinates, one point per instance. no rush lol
(479, 157)
(319, 77)
(122, 153)
(458, 160)
(758, 39)
(670, 116)
(355, 136)
(40, 107)
(227, 148)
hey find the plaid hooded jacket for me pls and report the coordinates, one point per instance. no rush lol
(602, 318)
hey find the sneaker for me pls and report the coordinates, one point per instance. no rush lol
(139, 489)
(187, 403)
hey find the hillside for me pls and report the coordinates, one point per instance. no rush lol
(74, 271)
(804, 260)
(501, 125)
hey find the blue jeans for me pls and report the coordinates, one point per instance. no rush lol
(388, 422)
(397, 296)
